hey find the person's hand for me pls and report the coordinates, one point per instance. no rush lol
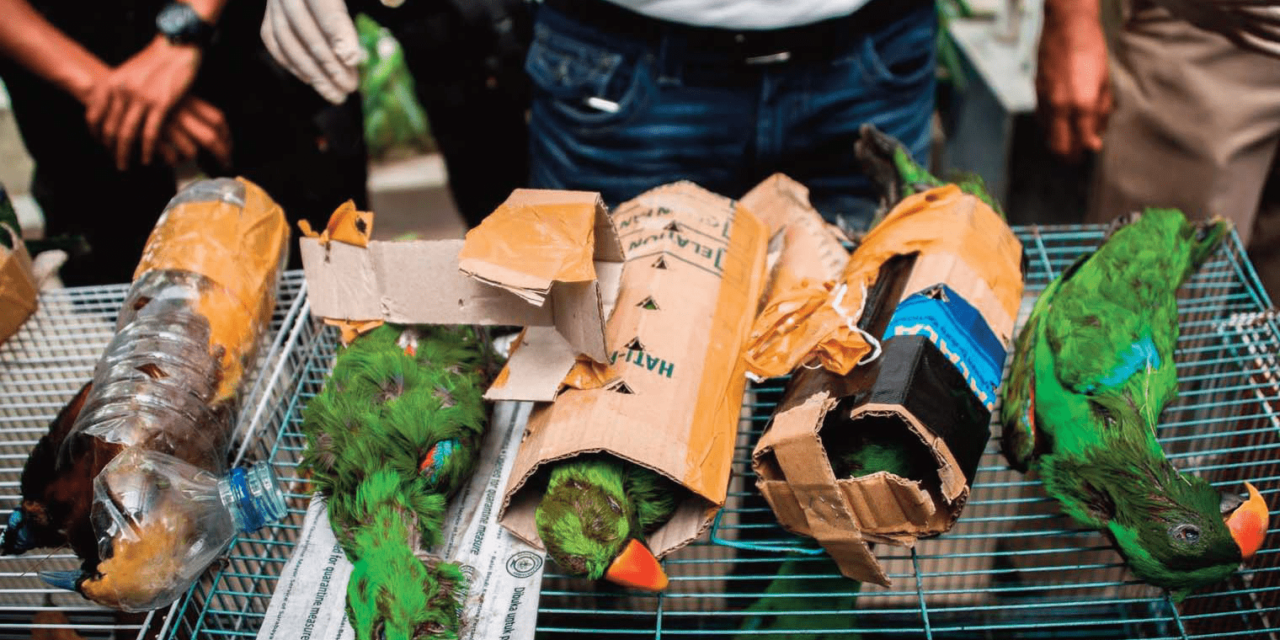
(194, 125)
(1073, 88)
(316, 41)
(135, 98)
(1252, 24)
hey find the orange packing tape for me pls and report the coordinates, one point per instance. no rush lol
(346, 225)
(549, 242)
(352, 329)
(816, 322)
(240, 249)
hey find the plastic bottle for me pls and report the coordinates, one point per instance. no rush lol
(159, 417)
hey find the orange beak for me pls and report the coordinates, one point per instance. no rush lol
(1248, 523)
(636, 568)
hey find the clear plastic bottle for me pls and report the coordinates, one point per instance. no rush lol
(159, 417)
(144, 500)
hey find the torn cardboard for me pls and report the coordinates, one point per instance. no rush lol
(17, 285)
(674, 382)
(937, 305)
(543, 259)
(950, 231)
(811, 248)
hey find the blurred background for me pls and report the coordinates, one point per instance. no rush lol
(985, 123)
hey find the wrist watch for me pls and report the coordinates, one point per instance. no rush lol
(180, 24)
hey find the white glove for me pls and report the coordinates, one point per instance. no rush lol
(1252, 24)
(316, 41)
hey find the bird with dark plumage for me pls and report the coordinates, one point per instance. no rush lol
(393, 434)
(595, 513)
(1092, 371)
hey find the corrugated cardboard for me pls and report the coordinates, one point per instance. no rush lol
(694, 270)
(951, 231)
(811, 247)
(919, 383)
(17, 285)
(544, 260)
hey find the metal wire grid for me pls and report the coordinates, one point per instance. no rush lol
(1011, 568)
(232, 601)
(41, 368)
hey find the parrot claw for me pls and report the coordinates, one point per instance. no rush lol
(61, 579)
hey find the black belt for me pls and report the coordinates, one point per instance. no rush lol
(751, 46)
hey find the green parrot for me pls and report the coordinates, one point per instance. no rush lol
(393, 434)
(889, 165)
(595, 513)
(1092, 370)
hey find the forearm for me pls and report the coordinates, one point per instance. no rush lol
(1071, 10)
(40, 47)
(210, 10)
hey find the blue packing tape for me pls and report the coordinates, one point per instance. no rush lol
(959, 331)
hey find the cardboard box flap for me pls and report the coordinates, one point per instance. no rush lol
(540, 358)
(669, 395)
(538, 245)
(414, 282)
(537, 238)
(18, 289)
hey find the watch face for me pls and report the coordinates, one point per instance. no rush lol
(178, 21)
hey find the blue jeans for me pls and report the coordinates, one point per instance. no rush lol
(621, 115)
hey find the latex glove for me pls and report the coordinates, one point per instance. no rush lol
(1252, 24)
(1073, 86)
(316, 41)
(131, 102)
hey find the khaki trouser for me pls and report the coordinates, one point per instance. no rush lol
(1196, 126)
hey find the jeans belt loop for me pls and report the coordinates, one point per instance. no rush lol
(670, 62)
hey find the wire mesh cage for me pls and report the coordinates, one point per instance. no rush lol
(41, 368)
(1012, 567)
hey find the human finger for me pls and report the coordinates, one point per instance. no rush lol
(210, 115)
(126, 133)
(305, 66)
(319, 43)
(1086, 132)
(181, 142)
(1061, 141)
(151, 134)
(209, 139)
(335, 22)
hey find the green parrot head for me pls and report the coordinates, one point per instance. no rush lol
(590, 527)
(1175, 530)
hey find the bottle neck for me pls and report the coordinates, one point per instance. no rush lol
(253, 497)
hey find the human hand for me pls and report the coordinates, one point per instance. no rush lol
(1252, 24)
(1073, 87)
(194, 125)
(136, 97)
(316, 41)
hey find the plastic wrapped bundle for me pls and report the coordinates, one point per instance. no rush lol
(139, 487)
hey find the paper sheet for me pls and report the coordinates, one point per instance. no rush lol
(505, 573)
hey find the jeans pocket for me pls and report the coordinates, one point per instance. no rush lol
(903, 54)
(587, 85)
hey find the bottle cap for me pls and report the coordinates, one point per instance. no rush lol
(253, 497)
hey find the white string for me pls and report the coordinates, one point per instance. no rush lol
(851, 321)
